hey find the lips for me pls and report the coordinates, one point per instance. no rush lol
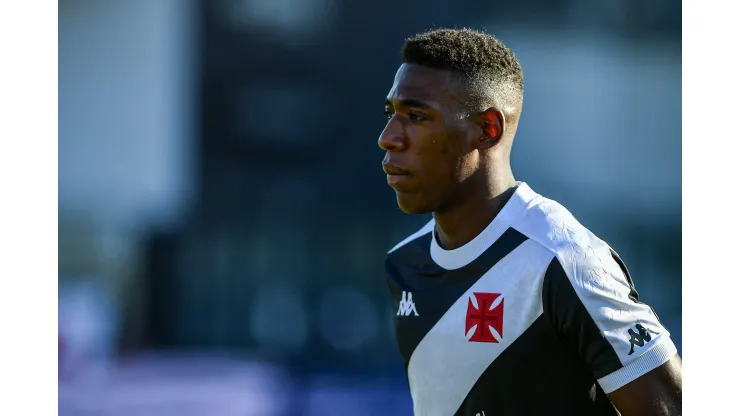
(392, 169)
(398, 177)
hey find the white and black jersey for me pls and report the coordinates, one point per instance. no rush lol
(534, 316)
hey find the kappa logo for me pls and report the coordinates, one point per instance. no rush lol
(486, 315)
(406, 306)
(640, 337)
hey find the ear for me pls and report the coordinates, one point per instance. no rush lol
(492, 125)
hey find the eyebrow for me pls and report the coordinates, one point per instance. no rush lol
(410, 102)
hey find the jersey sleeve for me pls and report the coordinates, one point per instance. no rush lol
(589, 298)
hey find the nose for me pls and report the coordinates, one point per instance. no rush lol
(392, 138)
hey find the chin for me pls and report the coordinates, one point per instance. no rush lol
(413, 204)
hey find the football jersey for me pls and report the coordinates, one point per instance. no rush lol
(536, 315)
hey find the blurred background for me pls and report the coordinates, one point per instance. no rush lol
(223, 216)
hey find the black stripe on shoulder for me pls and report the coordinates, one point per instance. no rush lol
(508, 242)
(411, 266)
(633, 295)
(572, 321)
(633, 292)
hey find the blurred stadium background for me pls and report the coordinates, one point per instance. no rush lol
(223, 217)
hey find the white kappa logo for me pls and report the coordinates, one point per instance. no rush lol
(406, 306)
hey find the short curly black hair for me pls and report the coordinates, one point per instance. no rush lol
(485, 64)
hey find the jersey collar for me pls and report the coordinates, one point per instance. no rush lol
(462, 256)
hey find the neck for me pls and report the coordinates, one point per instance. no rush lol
(457, 226)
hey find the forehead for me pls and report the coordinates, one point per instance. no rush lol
(437, 87)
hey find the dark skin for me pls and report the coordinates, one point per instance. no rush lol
(445, 159)
(456, 162)
(657, 393)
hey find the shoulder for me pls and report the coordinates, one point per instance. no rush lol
(589, 297)
(574, 246)
(584, 269)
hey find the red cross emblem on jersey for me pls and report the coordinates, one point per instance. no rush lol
(486, 316)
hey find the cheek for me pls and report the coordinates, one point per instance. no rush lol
(440, 155)
(455, 162)
(441, 167)
(467, 166)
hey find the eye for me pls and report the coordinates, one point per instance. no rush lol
(416, 117)
(388, 113)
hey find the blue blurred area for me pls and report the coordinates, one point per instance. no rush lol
(224, 218)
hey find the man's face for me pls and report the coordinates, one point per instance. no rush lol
(428, 139)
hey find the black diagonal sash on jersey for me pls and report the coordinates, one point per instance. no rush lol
(562, 378)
